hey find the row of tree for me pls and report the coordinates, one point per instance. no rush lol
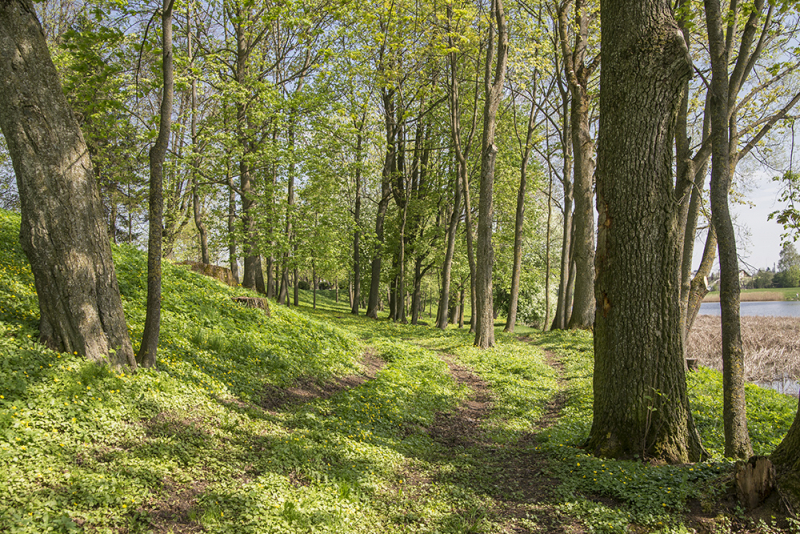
(299, 128)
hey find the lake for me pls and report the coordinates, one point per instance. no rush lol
(773, 309)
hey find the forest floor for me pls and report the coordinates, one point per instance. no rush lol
(318, 421)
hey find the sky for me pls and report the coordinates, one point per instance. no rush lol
(760, 243)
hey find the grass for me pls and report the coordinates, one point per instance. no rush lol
(85, 449)
(761, 295)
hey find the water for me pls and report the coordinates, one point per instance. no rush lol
(786, 385)
(770, 309)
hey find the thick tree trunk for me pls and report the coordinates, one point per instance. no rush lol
(389, 169)
(63, 231)
(148, 351)
(734, 414)
(484, 312)
(252, 260)
(582, 244)
(787, 465)
(640, 402)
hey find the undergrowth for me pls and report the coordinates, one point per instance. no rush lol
(84, 448)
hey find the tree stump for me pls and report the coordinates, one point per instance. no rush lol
(755, 480)
(254, 302)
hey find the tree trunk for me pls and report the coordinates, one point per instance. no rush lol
(734, 414)
(447, 265)
(152, 324)
(232, 255)
(787, 465)
(296, 289)
(417, 294)
(698, 288)
(577, 75)
(484, 314)
(567, 276)
(638, 341)
(383, 204)
(547, 252)
(519, 223)
(196, 203)
(63, 230)
(356, 296)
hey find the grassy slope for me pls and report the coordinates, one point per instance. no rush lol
(82, 448)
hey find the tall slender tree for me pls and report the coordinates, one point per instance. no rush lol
(148, 352)
(493, 87)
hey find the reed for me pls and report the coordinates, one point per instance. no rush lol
(771, 346)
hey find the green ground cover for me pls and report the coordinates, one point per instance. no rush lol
(83, 448)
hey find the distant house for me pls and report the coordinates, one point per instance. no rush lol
(745, 279)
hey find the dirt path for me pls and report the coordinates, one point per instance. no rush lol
(308, 389)
(514, 474)
(172, 512)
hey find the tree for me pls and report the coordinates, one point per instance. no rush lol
(786, 459)
(63, 232)
(638, 339)
(789, 257)
(578, 73)
(152, 324)
(484, 312)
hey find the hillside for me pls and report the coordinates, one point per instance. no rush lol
(318, 421)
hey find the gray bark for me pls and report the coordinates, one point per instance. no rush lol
(148, 352)
(63, 231)
(578, 74)
(638, 341)
(484, 311)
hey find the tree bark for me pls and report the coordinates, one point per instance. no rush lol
(196, 203)
(519, 223)
(148, 351)
(356, 285)
(787, 465)
(546, 323)
(389, 168)
(638, 341)
(455, 217)
(566, 278)
(577, 74)
(734, 414)
(63, 230)
(484, 312)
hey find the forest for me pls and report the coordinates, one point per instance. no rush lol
(427, 171)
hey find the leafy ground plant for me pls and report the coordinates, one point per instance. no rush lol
(443, 438)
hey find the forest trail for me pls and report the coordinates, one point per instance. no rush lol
(307, 389)
(516, 479)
